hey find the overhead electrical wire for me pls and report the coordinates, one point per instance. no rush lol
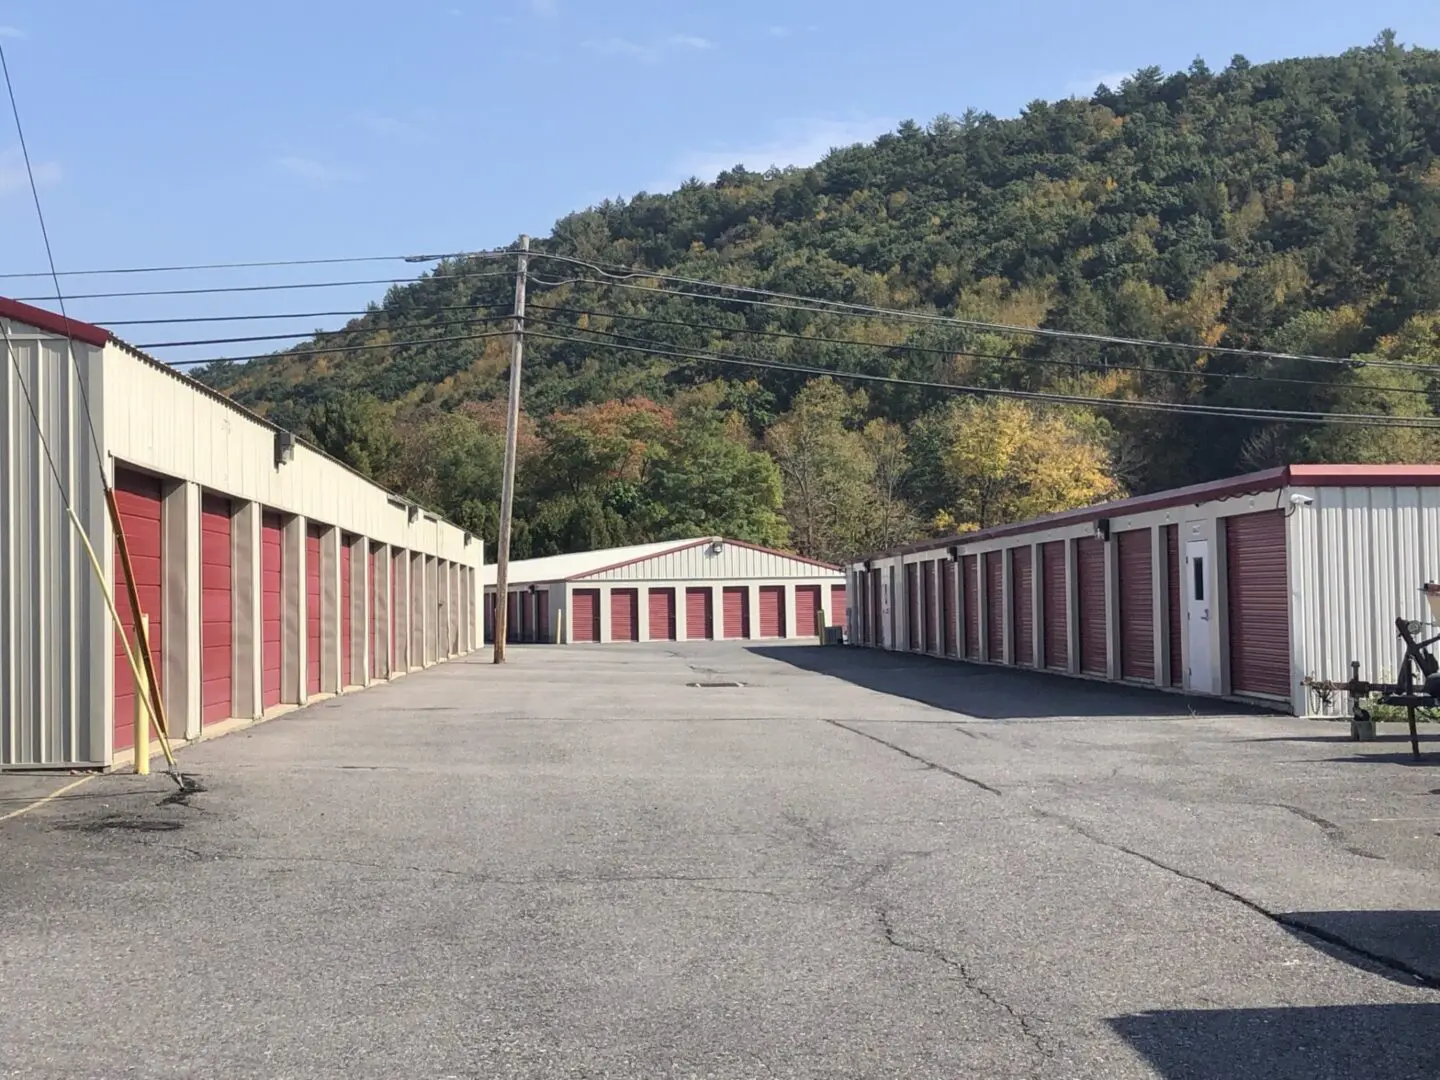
(257, 265)
(1096, 365)
(289, 353)
(269, 288)
(312, 333)
(107, 323)
(618, 276)
(1281, 415)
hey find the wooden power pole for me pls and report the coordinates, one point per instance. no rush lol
(507, 489)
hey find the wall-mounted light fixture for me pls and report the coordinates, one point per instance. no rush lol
(1102, 528)
(716, 547)
(411, 513)
(954, 552)
(284, 448)
(468, 538)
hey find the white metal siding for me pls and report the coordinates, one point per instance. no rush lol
(1358, 558)
(735, 562)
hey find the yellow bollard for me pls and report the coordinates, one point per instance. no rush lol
(142, 713)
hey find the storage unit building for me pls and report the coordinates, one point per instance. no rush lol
(234, 530)
(1242, 588)
(728, 589)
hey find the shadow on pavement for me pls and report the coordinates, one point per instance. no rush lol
(1376, 1042)
(1403, 946)
(986, 692)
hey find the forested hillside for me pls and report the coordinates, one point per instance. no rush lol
(1291, 207)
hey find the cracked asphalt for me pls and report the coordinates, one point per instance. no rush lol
(853, 865)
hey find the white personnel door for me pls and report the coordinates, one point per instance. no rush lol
(1199, 614)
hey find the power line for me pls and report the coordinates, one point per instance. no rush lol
(255, 265)
(1283, 415)
(842, 307)
(268, 288)
(59, 294)
(256, 318)
(1096, 365)
(288, 354)
(309, 333)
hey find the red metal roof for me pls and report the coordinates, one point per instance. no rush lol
(55, 324)
(1229, 488)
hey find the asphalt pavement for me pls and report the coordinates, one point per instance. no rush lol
(614, 861)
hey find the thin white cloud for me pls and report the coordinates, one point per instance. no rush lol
(649, 52)
(11, 32)
(546, 9)
(689, 41)
(1086, 87)
(412, 129)
(14, 177)
(315, 173)
(798, 142)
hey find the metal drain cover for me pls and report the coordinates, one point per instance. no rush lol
(713, 685)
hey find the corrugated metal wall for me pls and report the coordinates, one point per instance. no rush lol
(735, 562)
(1358, 557)
(53, 695)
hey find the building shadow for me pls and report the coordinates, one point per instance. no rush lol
(991, 692)
(1373, 1042)
(1399, 945)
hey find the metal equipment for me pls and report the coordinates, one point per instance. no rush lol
(1416, 686)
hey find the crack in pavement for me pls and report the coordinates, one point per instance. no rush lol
(1334, 833)
(966, 976)
(916, 757)
(1390, 964)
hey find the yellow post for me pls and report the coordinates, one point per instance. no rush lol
(142, 712)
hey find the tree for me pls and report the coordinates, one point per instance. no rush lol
(356, 429)
(1007, 461)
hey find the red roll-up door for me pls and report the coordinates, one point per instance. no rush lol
(877, 634)
(372, 605)
(995, 605)
(527, 616)
(914, 638)
(947, 608)
(698, 603)
(347, 630)
(272, 607)
(772, 611)
(1022, 614)
(662, 614)
(139, 500)
(1090, 569)
(1057, 606)
(1258, 588)
(927, 605)
(737, 611)
(1173, 570)
(970, 588)
(217, 611)
(585, 615)
(1137, 612)
(807, 603)
(542, 616)
(624, 615)
(313, 612)
(490, 618)
(839, 606)
(396, 561)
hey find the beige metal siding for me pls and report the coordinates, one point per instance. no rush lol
(734, 562)
(163, 423)
(53, 633)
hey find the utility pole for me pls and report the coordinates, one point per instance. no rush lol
(507, 489)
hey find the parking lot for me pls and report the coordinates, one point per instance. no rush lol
(732, 861)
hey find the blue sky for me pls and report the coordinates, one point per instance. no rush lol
(166, 131)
